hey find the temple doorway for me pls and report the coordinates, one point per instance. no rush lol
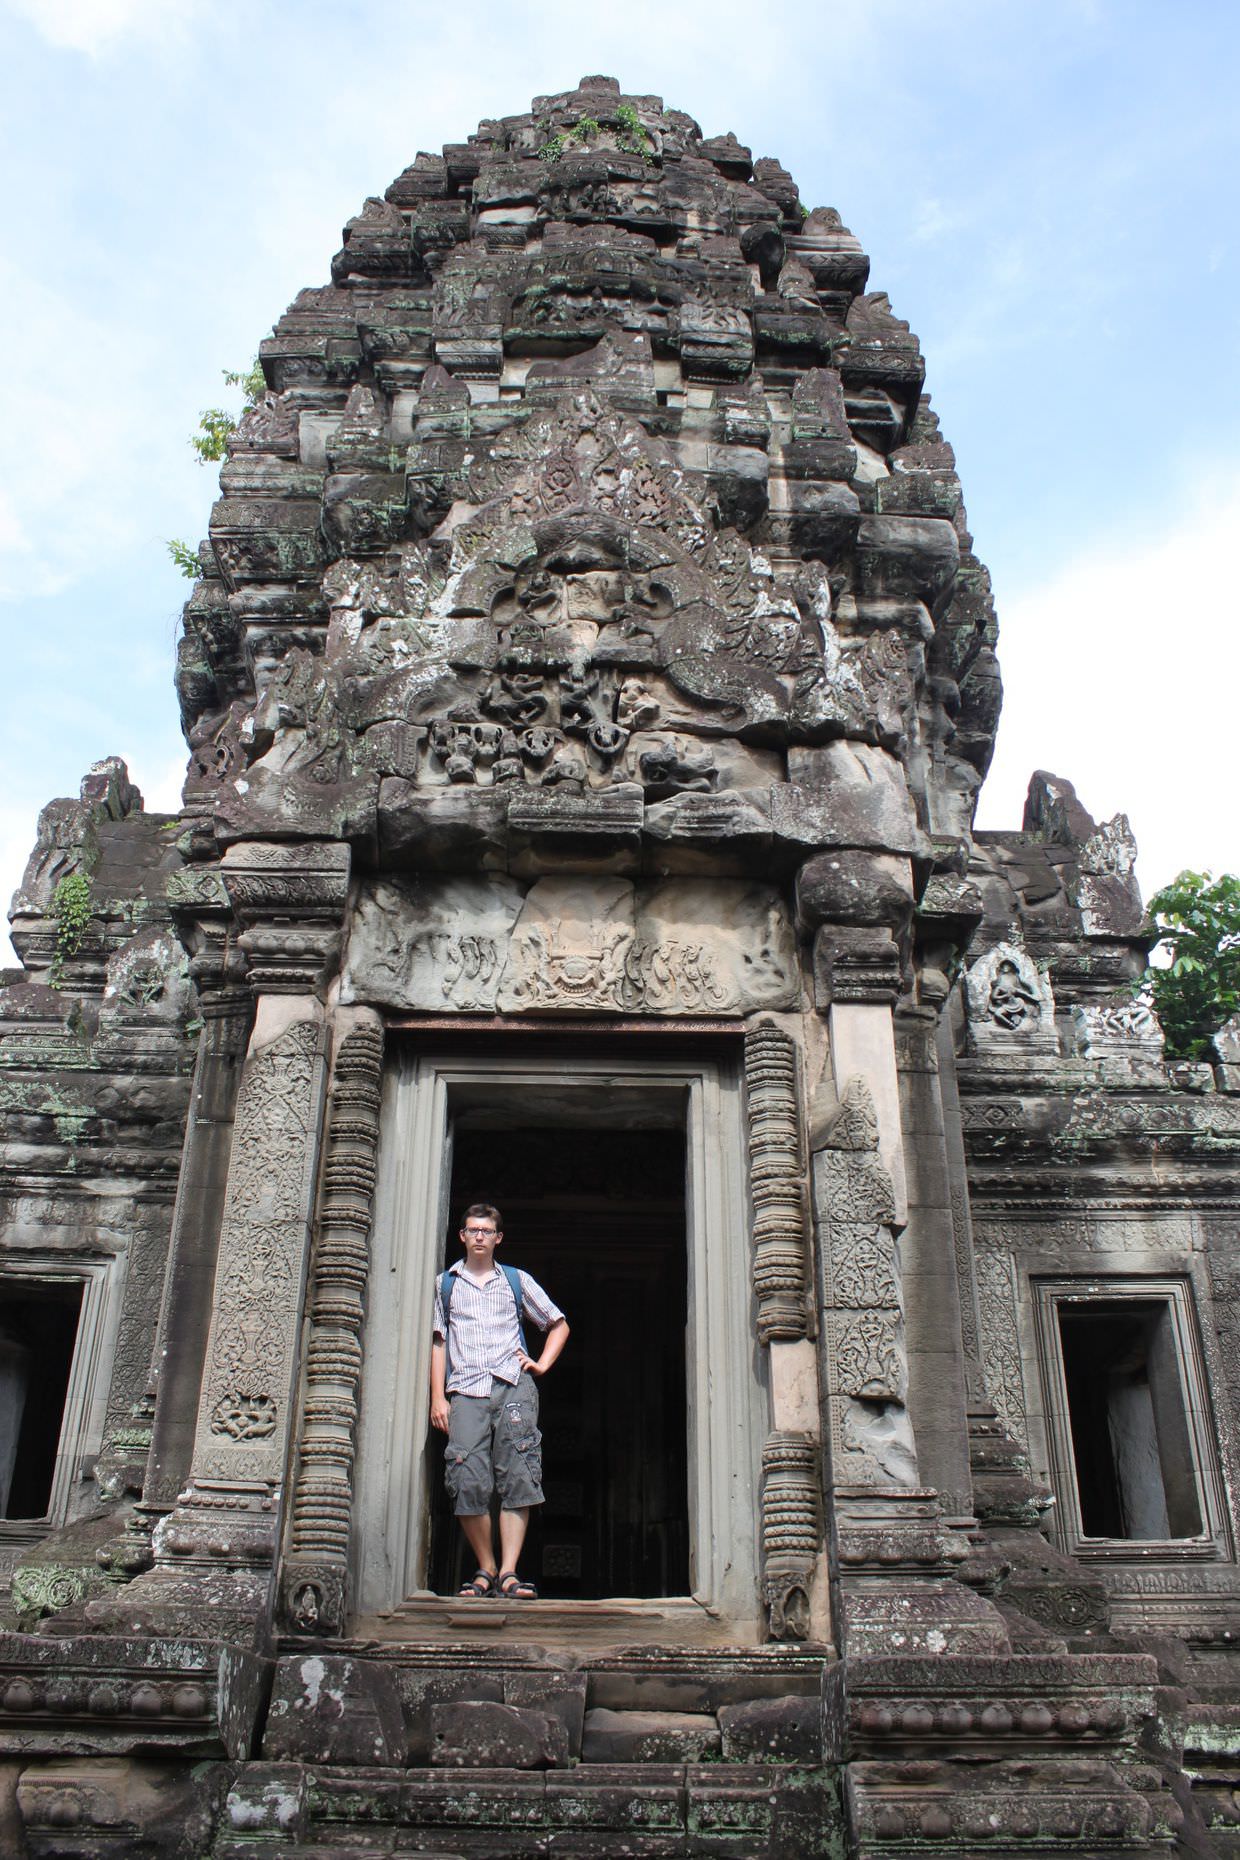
(619, 1166)
(597, 1215)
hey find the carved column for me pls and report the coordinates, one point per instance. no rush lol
(226, 1008)
(895, 1559)
(935, 1344)
(314, 1574)
(791, 1531)
(776, 1178)
(794, 1584)
(217, 1547)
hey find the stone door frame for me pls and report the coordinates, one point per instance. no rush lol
(729, 1412)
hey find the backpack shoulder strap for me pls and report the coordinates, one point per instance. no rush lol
(515, 1286)
(446, 1281)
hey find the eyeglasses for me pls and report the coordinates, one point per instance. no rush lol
(480, 1233)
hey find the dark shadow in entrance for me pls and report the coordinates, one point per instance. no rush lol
(598, 1217)
(38, 1332)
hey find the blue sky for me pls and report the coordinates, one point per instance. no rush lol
(1047, 192)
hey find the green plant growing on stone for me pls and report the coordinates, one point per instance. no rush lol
(215, 426)
(71, 915)
(185, 558)
(636, 137)
(1197, 918)
(584, 130)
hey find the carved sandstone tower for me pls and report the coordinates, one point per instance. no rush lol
(588, 686)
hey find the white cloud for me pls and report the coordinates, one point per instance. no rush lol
(1120, 674)
(91, 26)
(95, 444)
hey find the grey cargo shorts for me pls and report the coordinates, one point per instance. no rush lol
(494, 1445)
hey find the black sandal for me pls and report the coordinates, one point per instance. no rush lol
(514, 1588)
(482, 1585)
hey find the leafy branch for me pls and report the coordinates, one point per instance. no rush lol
(1197, 917)
(215, 426)
(210, 442)
(185, 558)
(71, 915)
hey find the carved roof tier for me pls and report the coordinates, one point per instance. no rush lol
(595, 466)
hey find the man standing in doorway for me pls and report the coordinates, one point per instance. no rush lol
(483, 1396)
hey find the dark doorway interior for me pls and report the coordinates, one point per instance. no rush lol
(598, 1217)
(38, 1330)
(1134, 1466)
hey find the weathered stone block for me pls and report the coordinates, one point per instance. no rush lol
(846, 795)
(772, 1731)
(111, 1808)
(595, 831)
(648, 1736)
(329, 1709)
(854, 888)
(445, 829)
(478, 1734)
(422, 1689)
(563, 1694)
(917, 556)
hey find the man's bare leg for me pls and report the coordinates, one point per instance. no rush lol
(512, 1527)
(477, 1531)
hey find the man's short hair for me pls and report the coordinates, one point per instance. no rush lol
(482, 1211)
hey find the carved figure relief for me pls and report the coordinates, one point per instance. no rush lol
(564, 945)
(1010, 1004)
(1127, 1028)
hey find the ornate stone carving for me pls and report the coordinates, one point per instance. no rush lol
(776, 1181)
(313, 1579)
(791, 1531)
(1123, 1029)
(867, 1368)
(243, 1414)
(1002, 1368)
(1010, 1004)
(571, 945)
(290, 900)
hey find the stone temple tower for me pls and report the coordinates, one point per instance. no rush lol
(588, 686)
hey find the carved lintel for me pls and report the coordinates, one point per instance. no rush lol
(779, 1259)
(313, 1581)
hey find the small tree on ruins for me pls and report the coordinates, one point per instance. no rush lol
(1197, 988)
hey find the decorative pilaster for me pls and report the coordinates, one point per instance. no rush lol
(217, 1548)
(793, 1566)
(775, 1173)
(895, 1558)
(314, 1575)
(791, 1531)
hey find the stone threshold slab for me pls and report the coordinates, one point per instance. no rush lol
(557, 1626)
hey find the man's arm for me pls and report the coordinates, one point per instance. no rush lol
(553, 1343)
(439, 1399)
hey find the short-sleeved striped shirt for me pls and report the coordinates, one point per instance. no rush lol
(483, 1314)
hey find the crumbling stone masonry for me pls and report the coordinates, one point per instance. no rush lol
(588, 686)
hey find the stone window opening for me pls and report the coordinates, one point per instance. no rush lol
(1134, 1461)
(39, 1323)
